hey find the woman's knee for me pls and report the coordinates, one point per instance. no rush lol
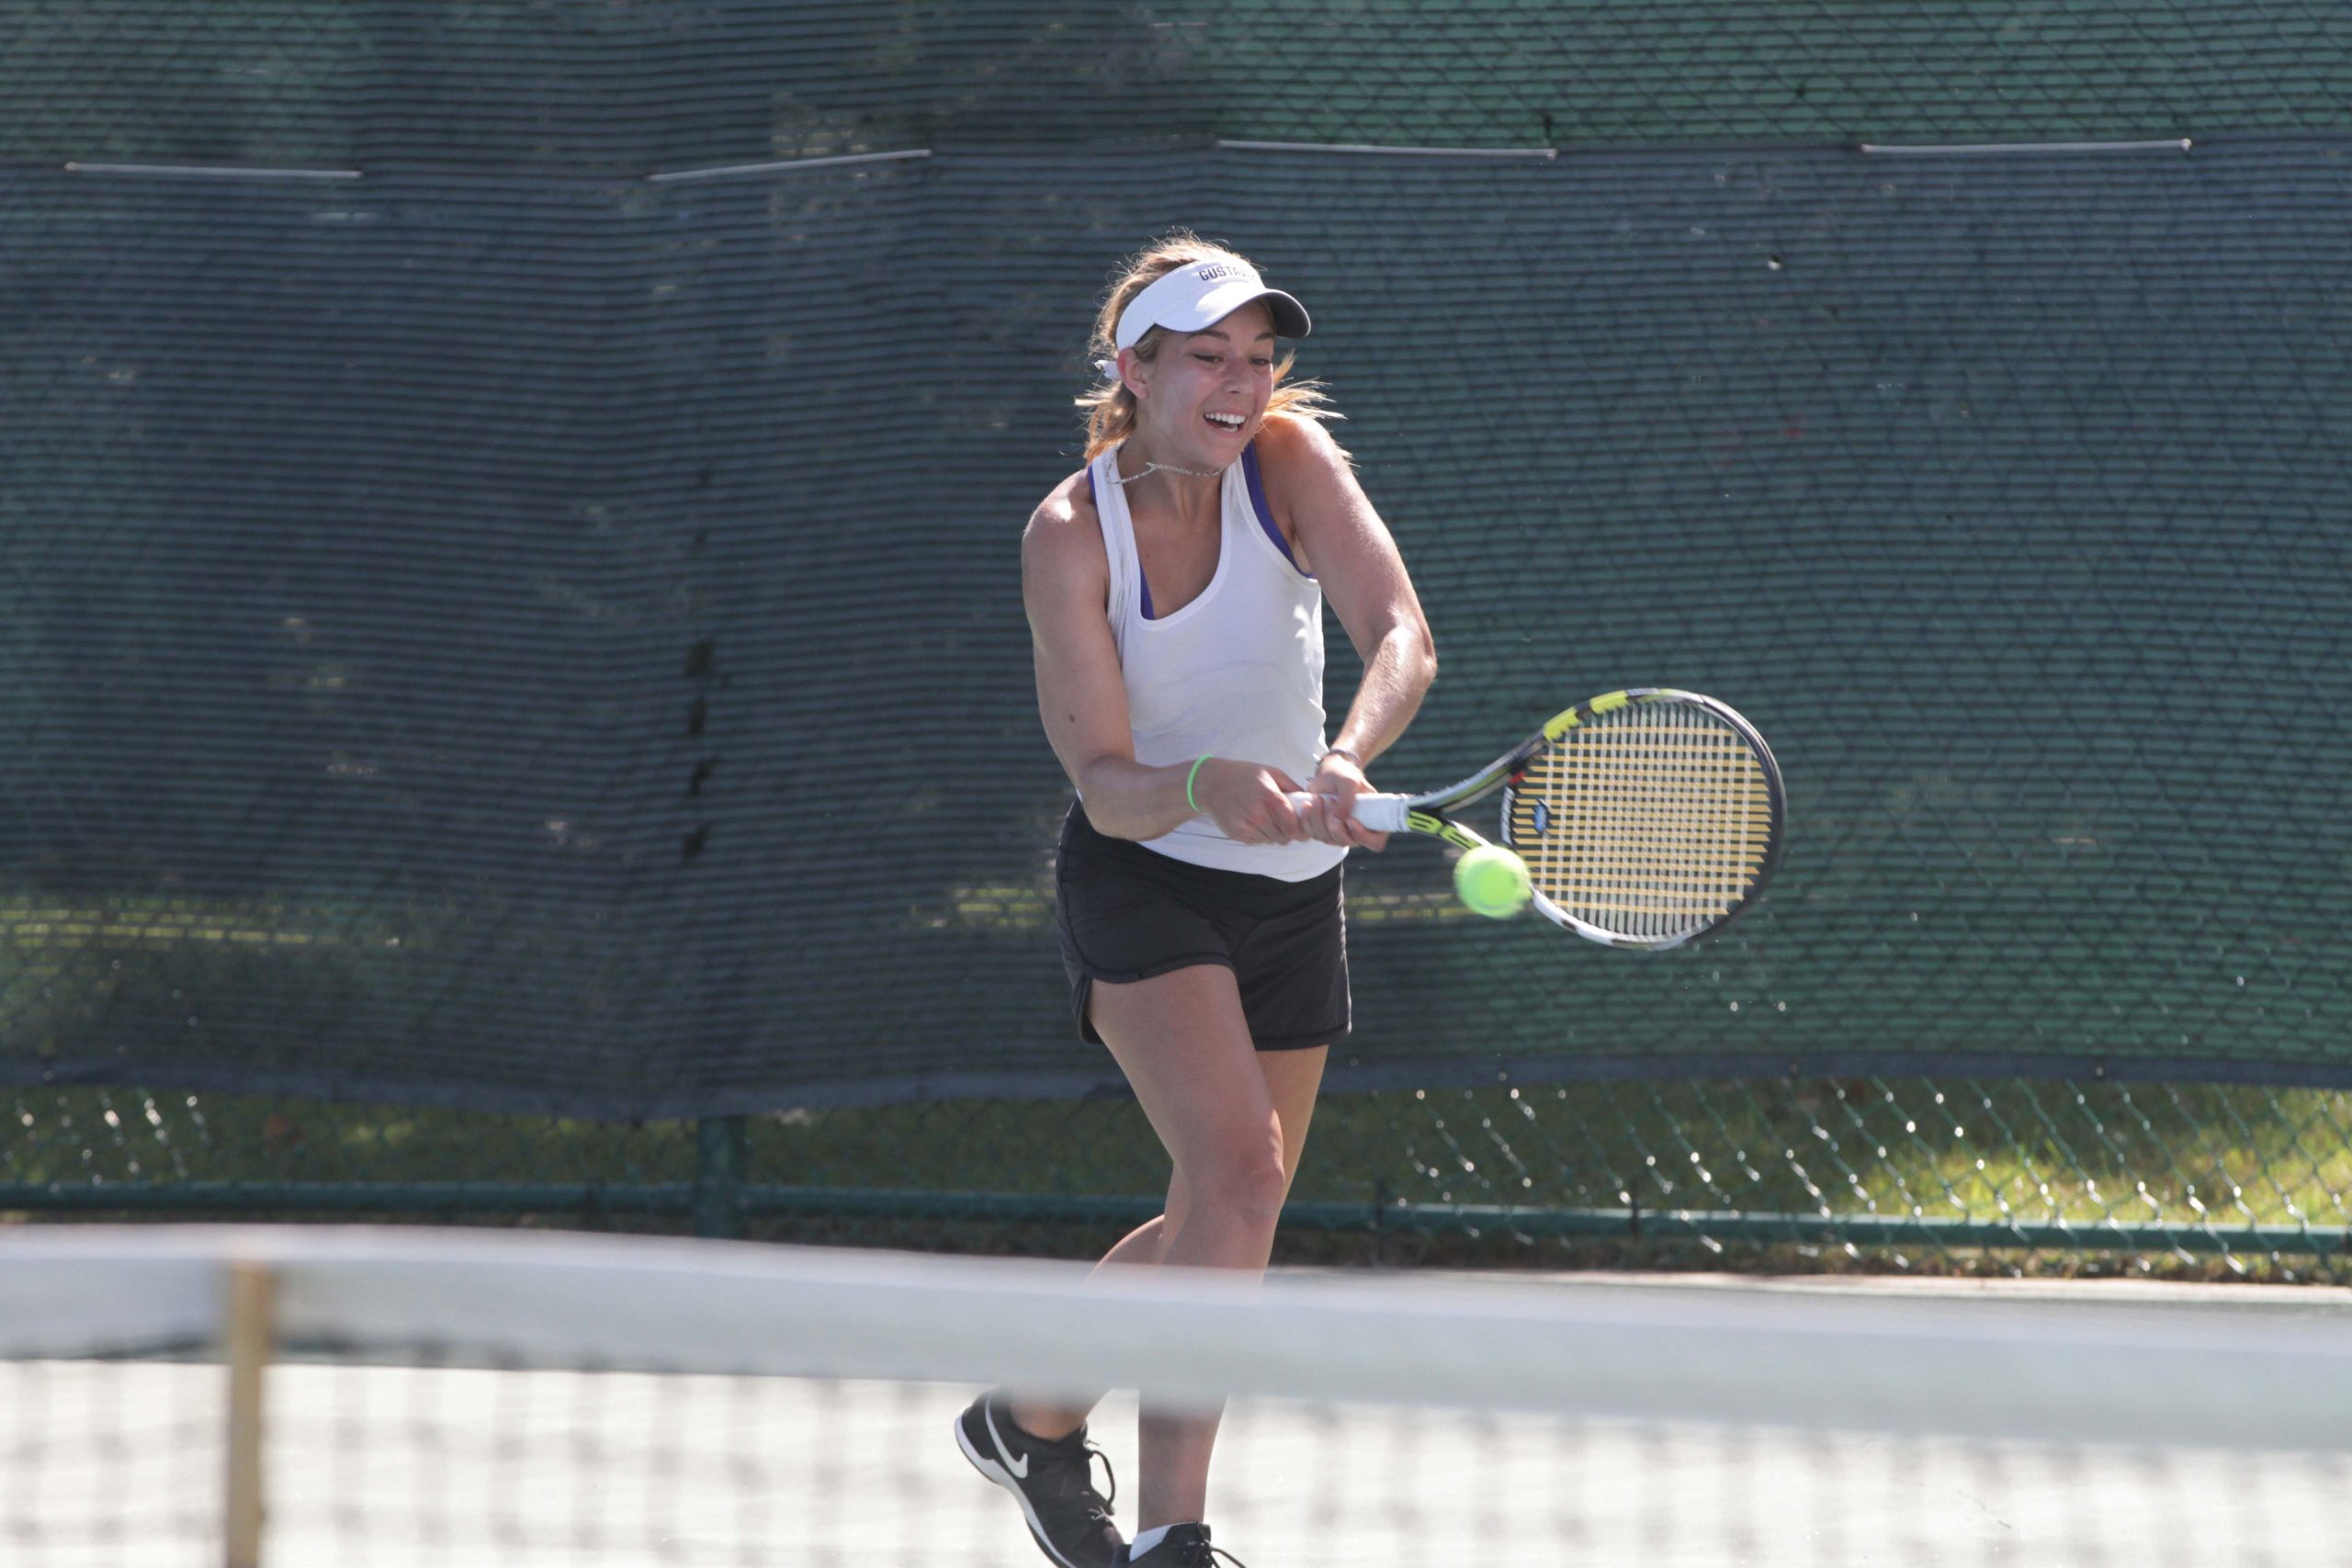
(1243, 1175)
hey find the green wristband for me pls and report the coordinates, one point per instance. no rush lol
(1190, 776)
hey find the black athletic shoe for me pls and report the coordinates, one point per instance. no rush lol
(1184, 1546)
(1053, 1481)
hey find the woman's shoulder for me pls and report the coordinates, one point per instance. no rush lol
(1065, 532)
(1069, 507)
(1295, 442)
(1292, 448)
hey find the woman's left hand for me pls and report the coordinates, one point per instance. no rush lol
(1330, 815)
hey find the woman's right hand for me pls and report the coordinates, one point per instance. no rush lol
(1249, 802)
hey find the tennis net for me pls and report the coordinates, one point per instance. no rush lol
(288, 1396)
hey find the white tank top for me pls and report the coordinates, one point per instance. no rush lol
(1237, 672)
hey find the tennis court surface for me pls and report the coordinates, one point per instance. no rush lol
(416, 1397)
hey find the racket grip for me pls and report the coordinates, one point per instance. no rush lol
(1381, 813)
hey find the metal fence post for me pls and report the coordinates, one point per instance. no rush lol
(720, 1143)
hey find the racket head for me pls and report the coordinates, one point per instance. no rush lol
(1648, 818)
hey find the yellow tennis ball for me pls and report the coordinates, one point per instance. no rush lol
(1493, 880)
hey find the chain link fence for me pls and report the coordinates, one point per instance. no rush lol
(315, 789)
(1935, 1174)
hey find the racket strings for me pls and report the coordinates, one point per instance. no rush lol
(1646, 823)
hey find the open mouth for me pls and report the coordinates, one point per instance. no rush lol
(1230, 424)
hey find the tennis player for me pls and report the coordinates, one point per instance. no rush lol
(1175, 590)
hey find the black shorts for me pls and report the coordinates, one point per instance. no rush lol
(1127, 913)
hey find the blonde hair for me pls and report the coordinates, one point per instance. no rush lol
(1111, 407)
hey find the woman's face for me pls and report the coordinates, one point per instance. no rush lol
(1205, 394)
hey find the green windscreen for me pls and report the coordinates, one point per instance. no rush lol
(489, 626)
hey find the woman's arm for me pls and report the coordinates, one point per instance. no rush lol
(1340, 538)
(1083, 698)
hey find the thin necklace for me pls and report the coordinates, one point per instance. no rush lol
(1150, 468)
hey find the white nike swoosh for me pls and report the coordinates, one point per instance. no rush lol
(1020, 1467)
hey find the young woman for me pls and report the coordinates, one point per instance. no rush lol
(1175, 591)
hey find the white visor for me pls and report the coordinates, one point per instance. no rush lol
(1203, 294)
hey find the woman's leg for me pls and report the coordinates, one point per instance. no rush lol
(1184, 1046)
(1292, 1079)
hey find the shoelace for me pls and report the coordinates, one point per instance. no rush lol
(1093, 1453)
(1199, 1553)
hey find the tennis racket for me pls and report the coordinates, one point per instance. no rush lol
(1646, 817)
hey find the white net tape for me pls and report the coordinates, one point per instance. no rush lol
(531, 1400)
